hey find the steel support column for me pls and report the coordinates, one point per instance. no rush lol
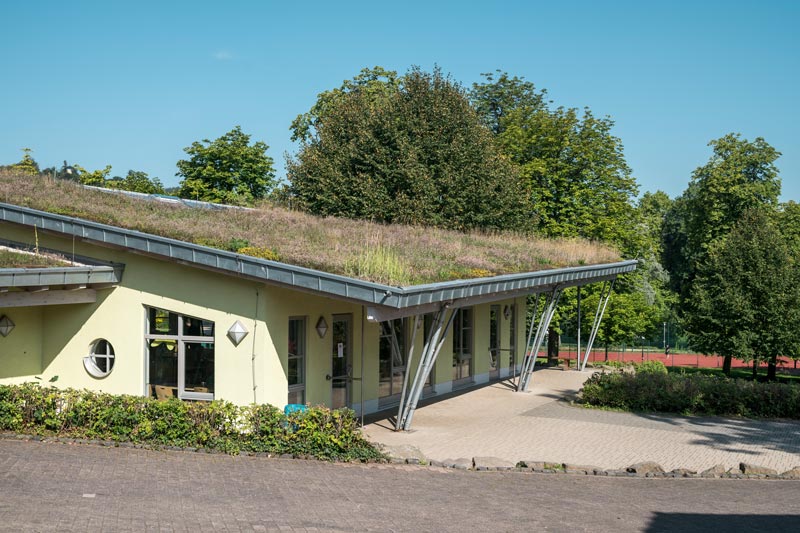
(532, 349)
(433, 345)
(409, 358)
(605, 294)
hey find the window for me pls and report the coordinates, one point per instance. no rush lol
(100, 361)
(513, 334)
(180, 352)
(392, 358)
(462, 345)
(297, 361)
(427, 325)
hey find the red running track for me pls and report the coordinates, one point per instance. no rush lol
(677, 359)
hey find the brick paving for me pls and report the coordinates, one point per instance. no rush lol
(540, 426)
(77, 487)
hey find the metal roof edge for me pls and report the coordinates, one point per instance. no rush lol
(47, 276)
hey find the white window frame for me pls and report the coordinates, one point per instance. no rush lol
(90, 361)
(301, 357)
(181, 340)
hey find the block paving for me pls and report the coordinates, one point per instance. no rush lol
(541, 425)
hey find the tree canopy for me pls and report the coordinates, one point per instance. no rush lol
(580, 183)
(227, 170)
(745, 302)
(740, 175)
(407, 149)
(27, 165)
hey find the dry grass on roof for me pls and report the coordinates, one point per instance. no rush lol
(15, 259)
(392, 254)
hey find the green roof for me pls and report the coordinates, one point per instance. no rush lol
(393, 255)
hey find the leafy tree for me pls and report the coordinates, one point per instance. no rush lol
(580, 186)
(227, 170)
(95, 178)
(789, 223)
(406, 149)
(136, 181)
(27, 165)
(653, 209)
(580, 183)
(495, 99)
(740, 175)
(745, 301)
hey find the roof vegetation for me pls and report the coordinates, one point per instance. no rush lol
(15, 259)
(392, 254)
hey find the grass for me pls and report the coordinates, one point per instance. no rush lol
(14, 259)
(392, 254)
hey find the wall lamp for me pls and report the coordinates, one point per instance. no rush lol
(322, 327)
(6, 325)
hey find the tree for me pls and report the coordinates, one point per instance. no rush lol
(227, 170)
(95, 178)
(406, 149)
(497, 98)
(27, 165)
(745, 301)
(136, 181)
(740, 175)
(580, 183)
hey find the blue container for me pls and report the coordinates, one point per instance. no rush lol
(294, 408)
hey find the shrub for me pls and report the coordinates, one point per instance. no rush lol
(219, 425)
(691, 394)
(260, 252)
(651, 367)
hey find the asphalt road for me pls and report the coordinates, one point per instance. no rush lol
(70, 487)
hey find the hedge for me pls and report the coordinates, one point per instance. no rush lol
(317, 432)
(695, 394)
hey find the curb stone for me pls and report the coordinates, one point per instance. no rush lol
(743, 471)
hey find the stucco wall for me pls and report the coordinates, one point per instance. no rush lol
(21, 350)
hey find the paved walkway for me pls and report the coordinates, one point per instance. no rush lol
(62, 487)
(539, 426)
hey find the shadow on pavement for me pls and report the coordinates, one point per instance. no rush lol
(686, 522)
(732, 434)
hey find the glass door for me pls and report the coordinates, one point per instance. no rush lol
(341, 361)
(462, 347)
(494, 342)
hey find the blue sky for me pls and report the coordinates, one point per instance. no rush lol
(131, 84)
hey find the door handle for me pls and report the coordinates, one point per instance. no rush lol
(328, 377)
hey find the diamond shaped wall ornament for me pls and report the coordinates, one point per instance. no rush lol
(322, 327)
(6, 325)
(237, 333)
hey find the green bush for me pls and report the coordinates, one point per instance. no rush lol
(219, 425)
(650, 367)
(692, 394)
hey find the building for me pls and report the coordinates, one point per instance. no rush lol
(146, 315)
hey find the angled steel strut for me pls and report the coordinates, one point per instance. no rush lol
(605, 294)
(535, 341)
(433, 345)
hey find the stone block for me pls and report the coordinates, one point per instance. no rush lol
(794, 473)
(647, 467)
(715, 471)
(751, 469)
(404, 453)
(492, 463)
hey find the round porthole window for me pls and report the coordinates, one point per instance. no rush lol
(100, 360)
